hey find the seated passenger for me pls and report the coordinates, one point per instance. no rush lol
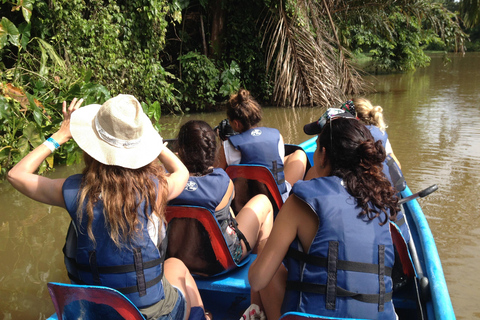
(332, 233)
(117, 204)
(372, 117)
(259, 145)
(211, 188)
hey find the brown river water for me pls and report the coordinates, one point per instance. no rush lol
(433, 118)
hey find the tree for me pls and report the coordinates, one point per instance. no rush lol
(470, 10)
(310, 43)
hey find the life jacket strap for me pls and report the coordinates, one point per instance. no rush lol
(92, 260)
(381, 277)
(141, 286)
(340, 292)
(275, 171)
(341, 264)
(332, 267)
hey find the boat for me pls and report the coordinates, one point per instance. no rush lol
(424, 296)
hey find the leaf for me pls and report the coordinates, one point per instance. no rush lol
(23, 147)
(31, 133)
(27, 7)
(4, 108)
(8, 31)
(25, 34)
(49, 160)
(46, 47)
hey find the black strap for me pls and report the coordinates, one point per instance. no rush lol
(240, 235)
(121, 269)
(381, 277)
(92, 260)
(275, 170)
(340, 292)
(331, 292)
(141, 286)
(341, 264)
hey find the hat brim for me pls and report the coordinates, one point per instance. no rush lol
(317, 126)
(82, 128)
(312, 128)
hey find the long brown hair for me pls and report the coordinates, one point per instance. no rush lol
(357, 159)
(244, 108)
(122, 191)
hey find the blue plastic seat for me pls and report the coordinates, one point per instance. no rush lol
(86, 302)
(307, 316)
(91, 302)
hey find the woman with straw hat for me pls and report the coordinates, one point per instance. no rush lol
(117, 204)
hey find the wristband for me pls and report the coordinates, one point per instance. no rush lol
(51, 144)
(55, 143)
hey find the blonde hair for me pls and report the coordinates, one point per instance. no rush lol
(369, 114)
(122, 191)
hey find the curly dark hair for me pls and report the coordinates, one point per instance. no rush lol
(244, 108)
(197, 146)
(357, 159)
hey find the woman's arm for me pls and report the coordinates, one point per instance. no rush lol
(221, 160)
(177, 176)
(294, 219)
(34, 186)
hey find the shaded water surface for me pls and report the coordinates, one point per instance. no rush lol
(434, 127)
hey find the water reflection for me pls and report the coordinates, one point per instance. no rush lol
(434, 127)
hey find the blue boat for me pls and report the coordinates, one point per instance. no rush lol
(426, 296)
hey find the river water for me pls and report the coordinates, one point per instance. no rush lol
(433, 118)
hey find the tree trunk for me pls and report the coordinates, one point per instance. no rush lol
(218, 26)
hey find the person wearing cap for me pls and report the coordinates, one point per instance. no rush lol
(259, 145)
(330, 252)
(117, 204)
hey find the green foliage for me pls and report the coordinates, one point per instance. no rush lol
(401, 49)
(25, 122)
(230, 80)
(200, 79)
(244, 44)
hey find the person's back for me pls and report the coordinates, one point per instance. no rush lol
(334, 231)
(259, 145)
(212, 189)
(116, 205)
(343, 236)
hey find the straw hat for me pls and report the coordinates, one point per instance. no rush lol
(116, 133)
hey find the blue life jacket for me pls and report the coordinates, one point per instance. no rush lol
(260, 146)
(394, 174)
(208, 191)
(346, 272)
(136, 270)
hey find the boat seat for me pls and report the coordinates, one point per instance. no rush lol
(195, 237)
(403, 252)
(257, 173)
(307, 316)
(72, 301)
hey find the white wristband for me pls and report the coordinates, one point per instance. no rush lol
(49, 145)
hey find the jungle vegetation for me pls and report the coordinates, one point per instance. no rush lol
(190, 55)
